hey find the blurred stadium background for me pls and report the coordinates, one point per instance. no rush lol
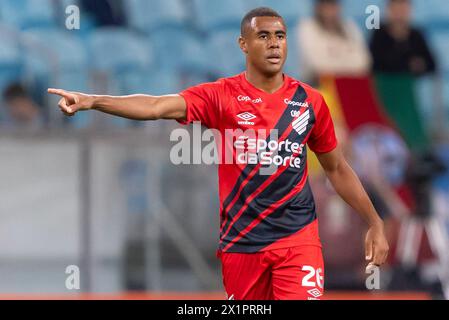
(100, 192)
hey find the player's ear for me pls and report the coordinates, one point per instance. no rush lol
(242, 44)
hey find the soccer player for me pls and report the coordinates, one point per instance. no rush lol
(269, 243)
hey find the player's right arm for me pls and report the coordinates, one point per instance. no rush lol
(135, 107)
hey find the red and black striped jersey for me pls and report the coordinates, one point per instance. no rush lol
(265, 197)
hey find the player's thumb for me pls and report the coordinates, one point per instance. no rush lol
(369, 250)
(74, 108)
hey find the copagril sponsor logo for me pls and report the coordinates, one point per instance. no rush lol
(248, 99)
(296, 103)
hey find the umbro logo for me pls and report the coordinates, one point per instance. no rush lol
(315, 293)
(246, 117)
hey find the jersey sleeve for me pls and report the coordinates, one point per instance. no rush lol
(203, 104)
(322, 138)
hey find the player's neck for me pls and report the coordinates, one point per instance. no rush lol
(262, 82)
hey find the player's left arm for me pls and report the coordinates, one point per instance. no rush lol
(349, 187)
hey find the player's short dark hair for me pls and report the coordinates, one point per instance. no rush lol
(257, 12)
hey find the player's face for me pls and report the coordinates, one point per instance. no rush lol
(265, 44)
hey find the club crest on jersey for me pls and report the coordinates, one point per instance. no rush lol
(301, 122)
(246, 117)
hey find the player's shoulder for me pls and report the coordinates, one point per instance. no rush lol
(311, 92)
(222, 83)
(227, 86)
(231, 81)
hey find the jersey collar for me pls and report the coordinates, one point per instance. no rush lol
(251, 86)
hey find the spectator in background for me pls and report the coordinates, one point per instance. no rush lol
(21, 111)
(400, 53)
(331, 45)
(399, 50)
(105, 12)
(397, 46)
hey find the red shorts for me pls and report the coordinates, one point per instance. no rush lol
(295, 273)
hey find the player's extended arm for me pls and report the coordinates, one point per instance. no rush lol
(135, 107)
(349, 187)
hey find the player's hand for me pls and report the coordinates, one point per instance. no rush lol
(376, 246)
(72, 102)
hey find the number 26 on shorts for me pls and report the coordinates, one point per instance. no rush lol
(313, 278)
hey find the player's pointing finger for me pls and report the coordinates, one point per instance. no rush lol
(55, 91)
(60, 92)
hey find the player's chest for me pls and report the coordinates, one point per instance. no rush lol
(246, 111)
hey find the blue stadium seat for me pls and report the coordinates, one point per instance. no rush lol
(10, 62)
(356, 9)
(439, 42)
(66, 3)
(446, 95)
(154, 82)
(120, 55)
(215, 15)
(10, 57)
(50, 55)
(56, 58)
(180, 49)
(60, 48)
(25, 14)
(116, 50)
(293, 65)
(291, 10)
(149, 16)
(431, 13)
(189, 80)
(226, 57)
